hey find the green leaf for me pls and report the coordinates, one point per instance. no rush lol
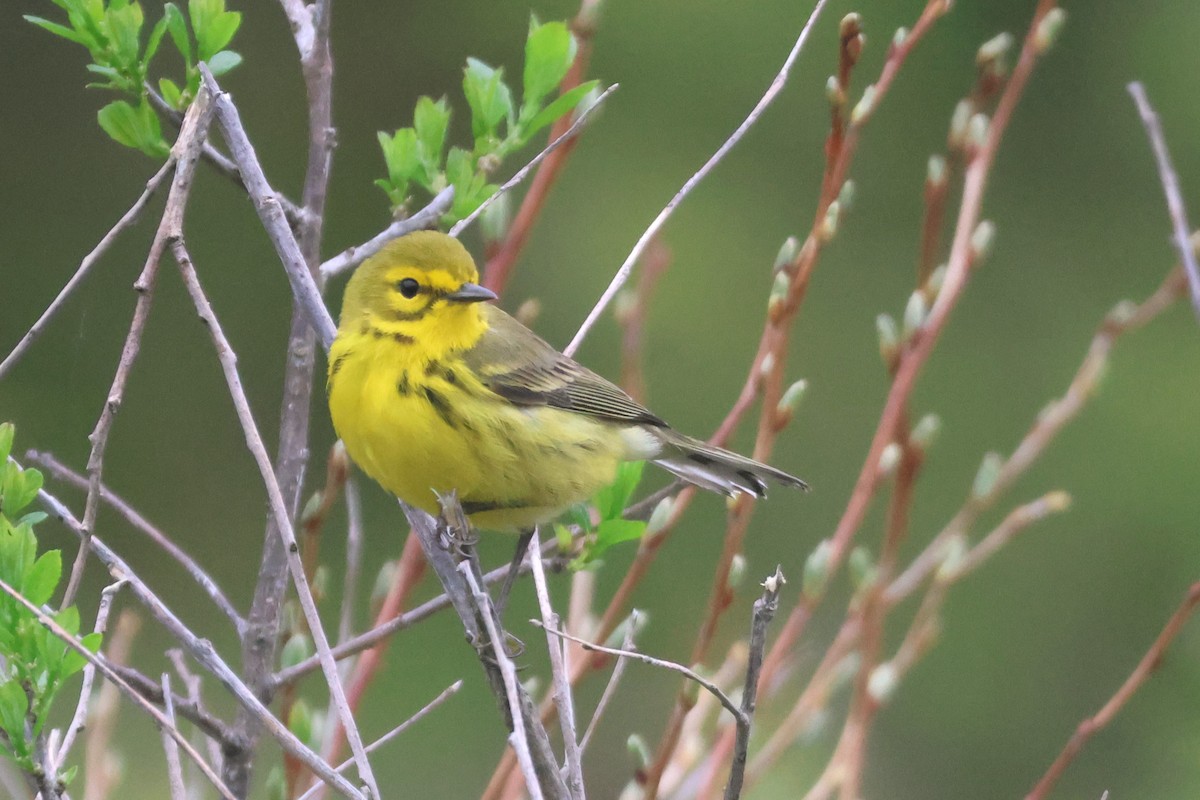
(134, 127)
(430, 121)
(13, 707)
(171, 93)
(177, 27)
(213, 25)
(68, 618)
(125, 26)
(565, 103)
(488, 96)
(7, 431)
(223, 62)
(549, 51)
(58, 30)
(612, 499)
(43, 579)
(73, 661)
(615, 531)
(401, 156)
(121, 122)
(156, 35)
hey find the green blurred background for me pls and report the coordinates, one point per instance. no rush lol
(1032, 643)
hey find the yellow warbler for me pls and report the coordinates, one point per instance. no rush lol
(434, 390)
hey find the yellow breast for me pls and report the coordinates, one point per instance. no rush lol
(422, 428)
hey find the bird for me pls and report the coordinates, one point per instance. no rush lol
(435, 390)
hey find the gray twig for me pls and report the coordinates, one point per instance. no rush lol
(79, 719)
(139, 523)
(187, 707)
(764, 611)
(200, 649)
(351, 257)
(283, 525)
(558, 672)
(1170, 181)
(406, 620)
(659, 221)
(354, 541)
(85, 266)
(165, 724)
(446, 694)
(170, 746)
(610, 688)
(523, 172)
(518, 738)
(708, 685)
(184, 154)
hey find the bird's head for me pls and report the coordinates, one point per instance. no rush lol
(423, 286)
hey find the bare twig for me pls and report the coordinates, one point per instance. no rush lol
(503, 255)
(184, 154)
(85, 266)
(165, 724)
(558, 673)
(614, 680)
(351, 257)
(276, 500)
(354, 541)
(1170, 181)
(406, 620)
(768, 97)
(764, 611)
(139, 523)
(1149, 663)
(79, 719)
(690, 674)
(200, 649)
(446, 694)
(518, 738)
(100, 764)
(170, 746)
(523, 172)
(187, 707)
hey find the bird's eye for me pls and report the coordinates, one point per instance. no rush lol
(408, 287)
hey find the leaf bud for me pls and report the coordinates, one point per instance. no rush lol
(989, 471)
(889, 339)
(816, 570)
(1048, 29)
(864, 107)
(981, 240)
(787, 253)
(926, 431)
(914, 314)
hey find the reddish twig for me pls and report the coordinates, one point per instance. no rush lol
(499, 265)
(1145, 668)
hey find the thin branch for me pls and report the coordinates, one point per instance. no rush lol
(764, 611)
(429, 707)
(503, 255)
(266, 203)
(1170, 181)
(690, 674)
(170, 746)
(79, 718)
(187, 707)
(558, 673)
(354, 541)
(571, 132)
(1145, 668)
(165, 724)
(85, 266)
(614, 680)
(351, 257)
(200, 649)
(258, 450)
(100, 764)
(659, 221)
(184, 154)
(290, 675)
(139, 523)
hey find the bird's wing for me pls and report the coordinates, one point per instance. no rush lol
(524, 369)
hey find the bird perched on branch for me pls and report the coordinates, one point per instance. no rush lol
(432, 389)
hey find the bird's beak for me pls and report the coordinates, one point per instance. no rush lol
(471, 293)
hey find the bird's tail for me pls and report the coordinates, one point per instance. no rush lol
(718, 470)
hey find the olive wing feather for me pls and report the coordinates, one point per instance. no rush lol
(520, 366)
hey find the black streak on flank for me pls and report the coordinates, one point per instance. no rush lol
(440, 406)
(403, 386)
(337, 365)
